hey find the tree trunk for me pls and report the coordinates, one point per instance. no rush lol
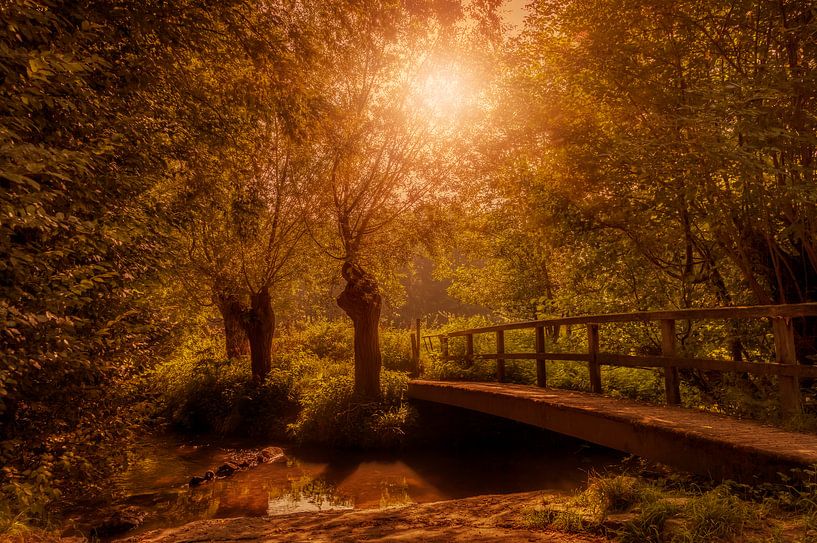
(259, 322)
(235, 336)
(361, 300)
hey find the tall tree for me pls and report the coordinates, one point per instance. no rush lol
(684, 130)
(239, 230)
(381, 153)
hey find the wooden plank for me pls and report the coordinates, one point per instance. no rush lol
(541, 364)
(500, 362)
(671, 381)
(570, 357)
(593, 365)
(789, 386)
(742, 312)
(444, 347)
(657, 361)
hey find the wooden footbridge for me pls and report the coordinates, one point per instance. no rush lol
(698, 441)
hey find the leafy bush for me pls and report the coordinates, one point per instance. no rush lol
(395, 345)
(325, 339)
(201, 393)
(331, 415)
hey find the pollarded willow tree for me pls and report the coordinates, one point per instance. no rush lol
(383, 151)
(244, 241)
(242, 233)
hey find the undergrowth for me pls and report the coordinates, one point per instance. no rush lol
(635, 509)
(308, 395)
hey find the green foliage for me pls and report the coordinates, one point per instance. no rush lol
(331, 415)
(331, 339)
(395, 347)
(79, 240)
(307, 397)
(201, 392)
(633, 509)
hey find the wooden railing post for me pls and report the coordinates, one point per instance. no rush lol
(415, 354)
(788, 385)
(541, 366)
(671, 382)
(500, 362)
(593, 350)
(469, 349)
(418, 370)
(444, 347)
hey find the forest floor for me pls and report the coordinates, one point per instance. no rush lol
(491, 518)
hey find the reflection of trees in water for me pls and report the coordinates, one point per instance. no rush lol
(307, 494)
(394, 493)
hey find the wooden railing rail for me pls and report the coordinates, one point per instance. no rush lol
(785, 368)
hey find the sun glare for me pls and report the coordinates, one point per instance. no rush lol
(443, 93)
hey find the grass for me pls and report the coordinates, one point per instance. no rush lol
(564, 520)
(617, 494)
(18, 527)
(632, 509)
(717, 515)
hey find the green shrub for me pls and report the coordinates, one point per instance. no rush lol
(327, 339)
(395, 345)
(200, 393)
(331, 415)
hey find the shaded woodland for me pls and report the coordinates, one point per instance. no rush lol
(213, 213)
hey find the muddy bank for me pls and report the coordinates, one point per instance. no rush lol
(481, 519)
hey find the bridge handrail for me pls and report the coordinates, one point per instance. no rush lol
(736, 312)
(785, 368)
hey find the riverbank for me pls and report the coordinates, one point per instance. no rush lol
(492, 518)
(622, 508)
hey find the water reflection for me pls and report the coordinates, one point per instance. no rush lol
(307, 494)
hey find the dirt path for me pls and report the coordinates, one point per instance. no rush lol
(482, 519)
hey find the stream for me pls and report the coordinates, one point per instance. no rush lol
(321, 480)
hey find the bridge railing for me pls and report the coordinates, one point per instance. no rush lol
(785, 367)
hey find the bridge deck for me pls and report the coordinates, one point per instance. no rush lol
(705, 443)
